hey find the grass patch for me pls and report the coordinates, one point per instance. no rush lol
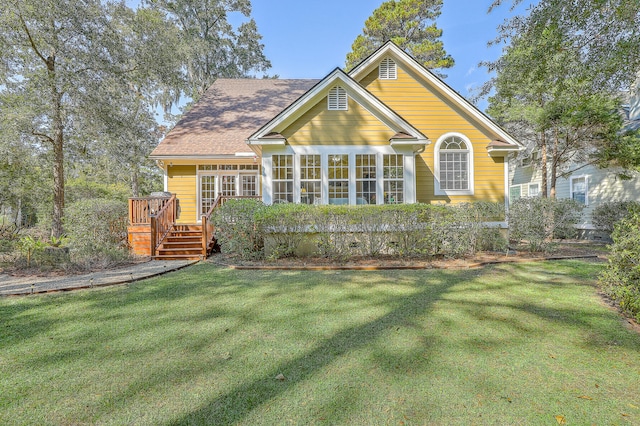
(511, 344)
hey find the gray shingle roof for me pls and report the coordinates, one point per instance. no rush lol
(229, 112)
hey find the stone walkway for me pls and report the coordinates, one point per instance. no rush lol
(12, 285)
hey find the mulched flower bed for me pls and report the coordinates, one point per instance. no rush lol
(563, 250)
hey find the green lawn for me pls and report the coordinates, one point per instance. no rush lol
(511, 344)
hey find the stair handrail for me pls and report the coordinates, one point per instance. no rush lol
(207, 226)
(162, 222)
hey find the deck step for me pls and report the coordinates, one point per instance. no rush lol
(178, 257)
(183, 242)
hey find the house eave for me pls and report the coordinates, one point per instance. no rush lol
(391, 49)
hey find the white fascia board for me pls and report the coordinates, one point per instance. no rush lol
(356, 92)
(391, 49)
(166, 158)
(506, 149)
(272, 142)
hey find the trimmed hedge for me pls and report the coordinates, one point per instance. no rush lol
(606, 215)
(243, 227)
(537, 221)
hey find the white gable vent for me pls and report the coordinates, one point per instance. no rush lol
(387, 70)
(337, 99)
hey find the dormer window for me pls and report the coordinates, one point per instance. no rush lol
(388, 70)
(337, 99)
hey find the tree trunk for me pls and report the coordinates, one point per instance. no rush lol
(543, 164)
(554, 165)
(57, 141)
(134, 182)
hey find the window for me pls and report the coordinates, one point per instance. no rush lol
(579, 189)
(515, 193)
(387, 70)
(208, 167)
(207, 192)
(339, 179)
(393, 178)
(337, 99)
(454, 165)
(534, 190)
(310, 179)
(249, 185)
(366, 179)
(282, 175)
(454, 160)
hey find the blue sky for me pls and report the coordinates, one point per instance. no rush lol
(308, 39)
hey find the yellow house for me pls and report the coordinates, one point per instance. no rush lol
(388, 131)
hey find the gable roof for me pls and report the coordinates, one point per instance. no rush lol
(390, 49)
(229, 112)
(356, 92)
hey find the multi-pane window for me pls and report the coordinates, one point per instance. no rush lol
(207, 192)
(393, 178)
(310, 179)
(249, 184)
(387, 70)
(454, 164)
(337, 99)
(515, 192)
(228, 186)
(579, 189)
(534, 190)
(282, 177)
(366, 179)
(207, 167)
(338, 168)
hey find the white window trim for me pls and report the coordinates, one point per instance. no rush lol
(586, 187)
(217, 175)
(337, 99)
(436, 158)
(324, 152)
(529, 190)
(388, 69)
(519, 186)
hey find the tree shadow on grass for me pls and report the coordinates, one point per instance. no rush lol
(238, 403)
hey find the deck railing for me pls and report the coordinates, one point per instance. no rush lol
(141, 209)
(162, 222)
(207, 225)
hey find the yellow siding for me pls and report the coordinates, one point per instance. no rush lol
(182, 181)
(435, 116)
(319, 126)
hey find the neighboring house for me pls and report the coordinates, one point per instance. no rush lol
(389, 131)
(588, 185)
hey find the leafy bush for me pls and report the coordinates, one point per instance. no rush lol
(621, 279)
(97, 231)
(346, 231)
(606, 215)
(236, 228)
(536, 221)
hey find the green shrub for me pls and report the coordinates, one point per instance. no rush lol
(606, 215)
(237, 230)
(621, 279)
(97, 231)
(244, 227)
(536, 221)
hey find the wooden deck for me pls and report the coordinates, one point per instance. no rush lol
(153, 231)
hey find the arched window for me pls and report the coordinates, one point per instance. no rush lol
(387, 70)
(454, 165)
(337, 99)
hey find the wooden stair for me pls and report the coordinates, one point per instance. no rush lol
(184, 242)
